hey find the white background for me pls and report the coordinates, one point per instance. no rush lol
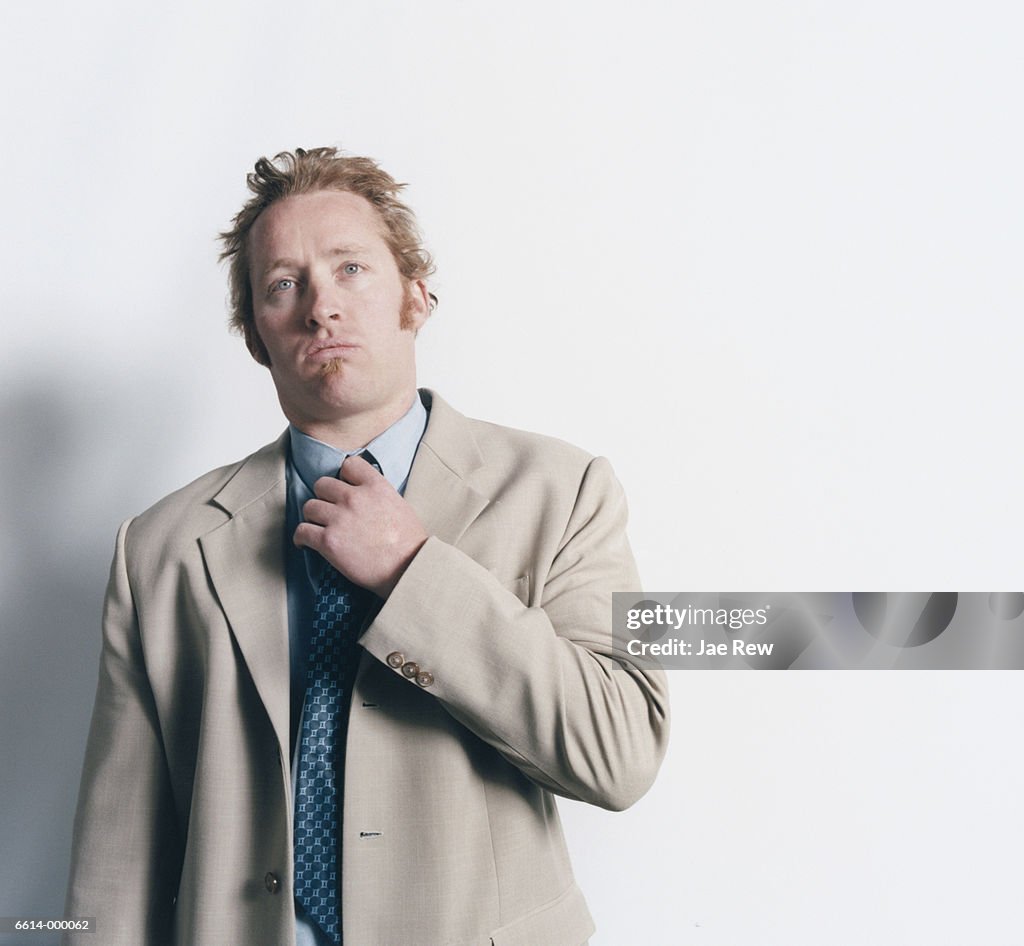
(764, 256)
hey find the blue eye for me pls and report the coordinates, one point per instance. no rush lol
(283, 285)
(351, 269)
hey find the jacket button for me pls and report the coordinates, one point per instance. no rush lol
(424, 678)
(396, 660)
(271, 882)
(410, 669)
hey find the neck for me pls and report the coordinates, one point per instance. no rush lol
(354, 431)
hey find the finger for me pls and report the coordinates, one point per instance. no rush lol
(330, 489)
(357, 471)
(318, 511)
(307, 535)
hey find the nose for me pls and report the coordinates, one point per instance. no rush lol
(324, 303)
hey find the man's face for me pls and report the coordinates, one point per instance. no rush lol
(336, 317)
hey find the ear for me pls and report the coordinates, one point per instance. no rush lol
(255, 345)
(417, 306)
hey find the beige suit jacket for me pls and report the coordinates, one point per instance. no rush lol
(451, 836)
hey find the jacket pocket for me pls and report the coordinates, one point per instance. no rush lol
(565, 921)
(520, 587)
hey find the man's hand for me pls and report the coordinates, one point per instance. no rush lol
(361, 525)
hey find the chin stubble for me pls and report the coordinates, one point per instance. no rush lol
(330, 367)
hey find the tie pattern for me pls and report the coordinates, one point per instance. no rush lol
(333, 659)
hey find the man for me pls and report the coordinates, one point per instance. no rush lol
(342, 679)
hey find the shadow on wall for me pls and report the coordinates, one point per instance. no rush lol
(71, 469)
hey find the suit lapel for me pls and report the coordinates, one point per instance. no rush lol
(245, 560)
(438, 487)
(245, 555)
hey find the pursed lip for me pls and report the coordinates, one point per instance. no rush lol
(325, 348)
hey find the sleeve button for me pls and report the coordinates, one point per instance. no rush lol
(424, 678)
(410, 669)
(395, 660)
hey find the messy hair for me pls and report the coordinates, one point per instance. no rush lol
(303, 172)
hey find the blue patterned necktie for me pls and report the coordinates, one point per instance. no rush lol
(333, 659)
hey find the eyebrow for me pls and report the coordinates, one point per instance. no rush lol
(287, 263)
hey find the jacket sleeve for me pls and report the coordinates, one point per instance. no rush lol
(126, 852)
(546, 686)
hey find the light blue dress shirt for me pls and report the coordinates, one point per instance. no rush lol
(308, 460)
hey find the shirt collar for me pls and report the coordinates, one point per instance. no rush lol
(394, 450)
